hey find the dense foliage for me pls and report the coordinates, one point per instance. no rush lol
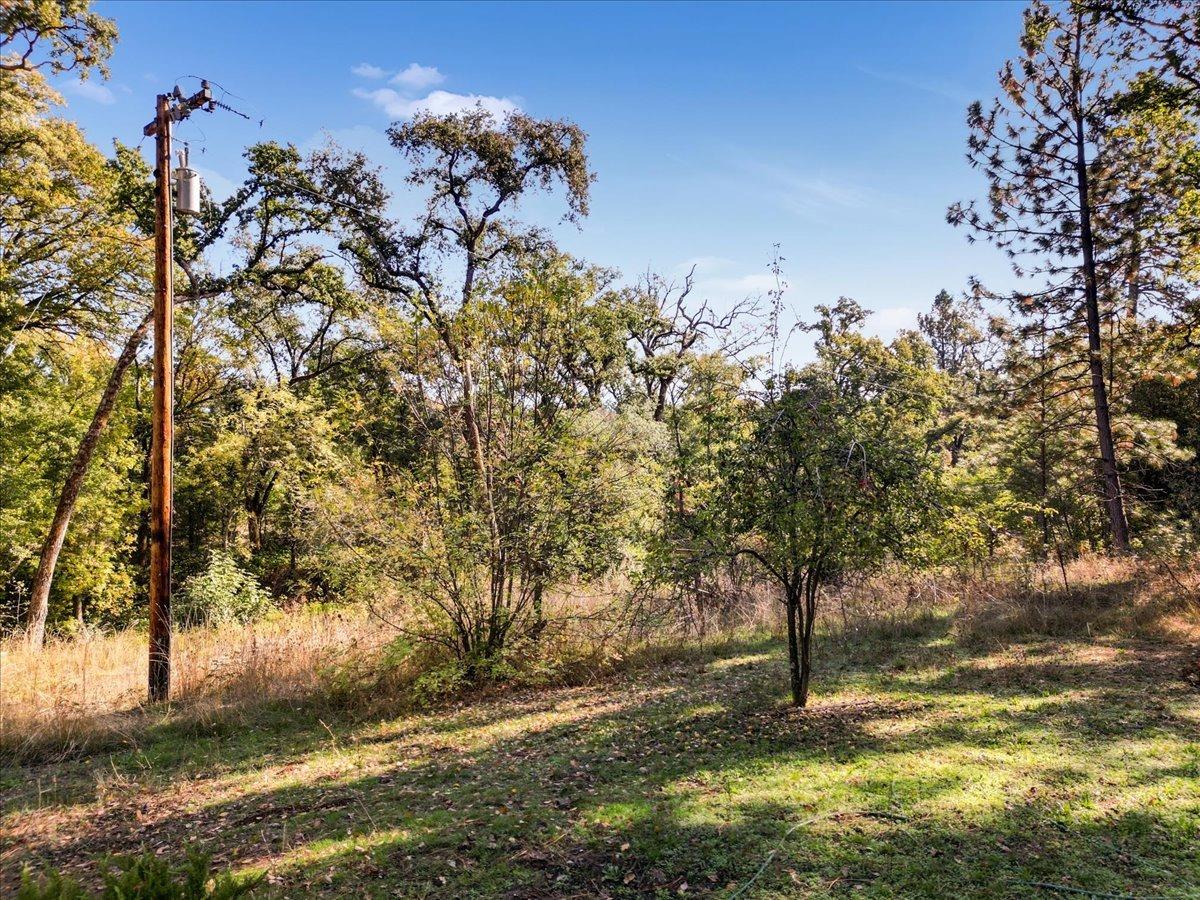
(451, 415)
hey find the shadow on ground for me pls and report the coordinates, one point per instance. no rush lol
(923, 770)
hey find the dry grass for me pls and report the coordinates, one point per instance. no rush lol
(83, 692)
(894, 603)
(1090, 595)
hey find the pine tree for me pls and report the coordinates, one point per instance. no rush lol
(1044, 147)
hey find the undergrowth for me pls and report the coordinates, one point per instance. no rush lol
(83, 695)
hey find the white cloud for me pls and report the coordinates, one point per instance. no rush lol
(89, 90)
(718, 277)
(743, 285)
(413, 81)
(438, 103)
(366, 70)
(721, 276)
(417, 77)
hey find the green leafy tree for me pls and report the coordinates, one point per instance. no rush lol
(952, 328)
(1041, 147)
(1171, 483)
(72, 269)
(55, 35)
(474, 170)
(46, 390)
(259, 224)
(567, 487)
(668, 330)
(837, 472)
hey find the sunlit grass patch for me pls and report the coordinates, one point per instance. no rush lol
(737, 662)
(920, 770)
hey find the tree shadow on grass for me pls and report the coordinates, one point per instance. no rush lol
(663, 728)
(238, 737)
(856, 852)
(695, 774)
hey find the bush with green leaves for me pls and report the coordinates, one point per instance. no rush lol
(223, 592)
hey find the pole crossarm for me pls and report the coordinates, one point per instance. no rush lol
(181, 107)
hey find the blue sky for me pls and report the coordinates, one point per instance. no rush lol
(835, 130)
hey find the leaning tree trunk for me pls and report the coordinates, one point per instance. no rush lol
(39, 602)
(1114, 501)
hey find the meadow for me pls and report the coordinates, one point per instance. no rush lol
(977, 746)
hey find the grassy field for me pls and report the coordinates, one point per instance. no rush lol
(923, 769)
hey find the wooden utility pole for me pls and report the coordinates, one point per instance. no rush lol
(162, 416)
(168, 108)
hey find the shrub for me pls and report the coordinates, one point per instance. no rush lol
(145, 877)
(51, 886)
(223, 592)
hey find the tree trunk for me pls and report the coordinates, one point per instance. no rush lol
(1114, 500)
(798, 679)
(539, 614)
(956, 446)
(253, 532)
(660, 406)
(1043, 459)
(1043, 489)
(475, 443)
(1133, 286)
(810, 615)
(470, 414)
(39, 602)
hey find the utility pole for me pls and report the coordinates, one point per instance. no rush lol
(169, 108)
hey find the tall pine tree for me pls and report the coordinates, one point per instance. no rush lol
(1044, 147)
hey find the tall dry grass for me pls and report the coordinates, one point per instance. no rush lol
(78, 693)
(1019, 597)
(86, 692)
(1091, 595)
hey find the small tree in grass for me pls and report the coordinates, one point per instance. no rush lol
(838, 469)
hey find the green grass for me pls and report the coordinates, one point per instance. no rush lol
(923, 769)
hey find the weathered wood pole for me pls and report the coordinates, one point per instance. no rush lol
(162, 420)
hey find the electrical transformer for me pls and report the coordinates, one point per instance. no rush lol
(187, 187)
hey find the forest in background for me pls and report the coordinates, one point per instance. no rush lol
(456, 424)
(499, 572)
